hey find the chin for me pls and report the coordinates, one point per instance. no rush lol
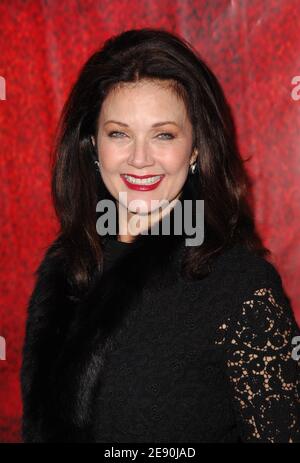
(143, 211)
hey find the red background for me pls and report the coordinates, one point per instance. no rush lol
(252, 46)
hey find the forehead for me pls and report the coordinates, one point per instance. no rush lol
(151, 98)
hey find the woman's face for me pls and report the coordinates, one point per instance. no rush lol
(143, 130)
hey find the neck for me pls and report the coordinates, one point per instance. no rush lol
(131, 224)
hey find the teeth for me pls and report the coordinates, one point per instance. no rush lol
(144, 181)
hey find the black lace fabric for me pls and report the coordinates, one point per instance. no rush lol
(263, 373)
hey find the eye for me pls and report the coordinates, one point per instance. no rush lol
(111, 134)
(169, 135)
(165, 134)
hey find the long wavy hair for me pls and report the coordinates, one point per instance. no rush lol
(220, 179)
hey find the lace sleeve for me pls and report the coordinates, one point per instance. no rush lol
(263, 373)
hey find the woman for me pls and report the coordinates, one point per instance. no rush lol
(134, 336)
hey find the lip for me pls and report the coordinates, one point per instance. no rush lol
(141, 187)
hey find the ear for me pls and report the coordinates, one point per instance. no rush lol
(194, 156)
(93, 140)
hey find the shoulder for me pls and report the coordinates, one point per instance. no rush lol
(244, 271)
(250, 287)
(50, 276)
(260, 304)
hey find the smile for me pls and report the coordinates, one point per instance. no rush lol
(142, 183)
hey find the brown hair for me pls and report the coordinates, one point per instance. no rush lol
(220, 178)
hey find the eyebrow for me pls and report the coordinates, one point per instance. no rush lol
(157, 124)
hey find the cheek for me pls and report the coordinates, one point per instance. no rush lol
(177, 164)
(109, 158)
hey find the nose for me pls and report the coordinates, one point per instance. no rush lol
(139, 158)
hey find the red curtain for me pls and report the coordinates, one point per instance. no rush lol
(253, 48)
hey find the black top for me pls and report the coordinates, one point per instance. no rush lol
(115, 249)
(151, 356)
(210, 362)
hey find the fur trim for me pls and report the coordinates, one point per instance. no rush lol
(66, 341)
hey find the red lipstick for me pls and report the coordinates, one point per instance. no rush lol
(142, 187)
